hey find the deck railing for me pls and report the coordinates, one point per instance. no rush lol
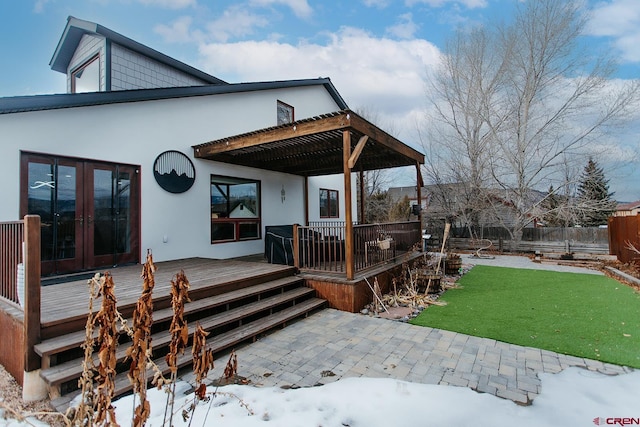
(322, 247)
(11, 257)
(20, 244)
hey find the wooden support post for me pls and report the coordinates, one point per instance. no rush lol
(419, 185)
(348, 215)
(305, 192)
(32, 291)
(363, 199)
(33, 387)
(296, 247)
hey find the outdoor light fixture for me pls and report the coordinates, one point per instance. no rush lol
(283, 194)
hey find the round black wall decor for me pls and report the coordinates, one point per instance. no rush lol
(174, 171)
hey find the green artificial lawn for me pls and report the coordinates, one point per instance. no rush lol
(582, 315)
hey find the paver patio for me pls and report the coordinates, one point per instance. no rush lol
(331, 344)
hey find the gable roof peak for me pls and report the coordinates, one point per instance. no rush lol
(76, 28)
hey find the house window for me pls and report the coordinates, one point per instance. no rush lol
(235, 209)
(86, 78)
(285, 113)
(329, 204)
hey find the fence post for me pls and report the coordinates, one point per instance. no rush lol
(296, 247)
(34, 387)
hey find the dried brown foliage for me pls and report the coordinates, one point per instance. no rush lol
(97, 382)
(105, 320)
(179, 336)
(202, 356)
(231, 369)
(140, 348)
(83, 414)
(178, 329)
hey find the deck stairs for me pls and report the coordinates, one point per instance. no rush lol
(232, 314)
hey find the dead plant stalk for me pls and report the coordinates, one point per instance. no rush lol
(179, 336)
(140, 348)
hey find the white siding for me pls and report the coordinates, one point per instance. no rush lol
(136, 133)
(130, 70)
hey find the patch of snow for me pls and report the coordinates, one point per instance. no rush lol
(573, 397)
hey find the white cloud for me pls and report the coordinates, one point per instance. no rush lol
(388, 78)
(619, 19)
(380, 4)
(299, 7)
(236, 21)
(39, 5)
(404, 29)
(177, 32)
(471, 4)
(170, 4)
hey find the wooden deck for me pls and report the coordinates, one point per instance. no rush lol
(65, 304)
(236, 300)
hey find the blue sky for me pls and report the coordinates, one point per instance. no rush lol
(375, 51)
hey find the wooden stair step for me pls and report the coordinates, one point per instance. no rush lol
(216, 344)
(65, 342)
(73, 369)
(229, 339)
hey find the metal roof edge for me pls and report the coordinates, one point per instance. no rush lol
(20, 104)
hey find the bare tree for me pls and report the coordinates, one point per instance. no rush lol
(521, 102)
(377, 204)
(463, 88)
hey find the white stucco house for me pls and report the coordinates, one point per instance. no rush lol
(91, 161)
(144, 152)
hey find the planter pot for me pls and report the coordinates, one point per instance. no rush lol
(452, 266)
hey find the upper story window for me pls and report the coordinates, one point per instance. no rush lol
(86, 78)
(285, 113)
(329, 203)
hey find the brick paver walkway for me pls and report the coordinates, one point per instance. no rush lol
(332, 344)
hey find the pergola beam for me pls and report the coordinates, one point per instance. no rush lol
(276, 134)
(356, 151)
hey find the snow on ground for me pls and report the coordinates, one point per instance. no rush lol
(574, 397)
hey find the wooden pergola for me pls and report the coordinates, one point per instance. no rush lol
(334, 143)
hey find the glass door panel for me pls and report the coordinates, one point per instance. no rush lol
(103, 213)
(66, 212)
(40, 201)
(89, 211)
(51, 191)
(112, 232)
(123, 213)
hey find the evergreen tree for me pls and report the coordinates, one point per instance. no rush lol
(596, 203)
(401, 210)
(551, 209)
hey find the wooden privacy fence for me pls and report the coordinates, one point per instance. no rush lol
(501, 245)
(594, 235)
(624, 231)
(20, 244)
